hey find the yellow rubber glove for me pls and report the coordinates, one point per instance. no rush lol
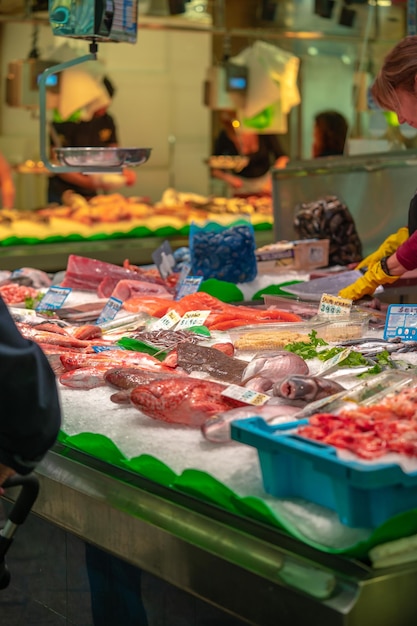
(388, 247)
(366, 284)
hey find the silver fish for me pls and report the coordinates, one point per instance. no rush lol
(308, 388)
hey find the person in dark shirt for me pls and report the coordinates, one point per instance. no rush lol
(98, 132)
(262, 151)
(30, 415)
(329, 134)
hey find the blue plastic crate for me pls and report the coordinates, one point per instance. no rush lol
(292, 466)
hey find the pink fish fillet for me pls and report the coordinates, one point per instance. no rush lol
(182, 400)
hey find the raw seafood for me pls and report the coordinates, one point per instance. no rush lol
(113, 358)
(130, 377)
(275, 366)
(182, 400)
(166, 339)
(307, 388)
(193, 358)
(87, 274)
(127, 288)
(370, 431)
(84, 377)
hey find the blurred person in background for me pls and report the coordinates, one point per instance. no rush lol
(98, 132)
(262, 151)
(7, 187)
(330, 132)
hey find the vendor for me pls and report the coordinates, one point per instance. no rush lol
(329, 134)
(6, 184)
(97, 132)
(395, 89)
(263, 152)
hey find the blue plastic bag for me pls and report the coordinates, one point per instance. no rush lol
(223, 252)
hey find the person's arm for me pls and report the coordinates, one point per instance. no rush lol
(234, 181)
(6, 184)
(30, 414)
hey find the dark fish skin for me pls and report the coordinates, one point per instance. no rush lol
(308, 388)
(218, 365)
(130, 377)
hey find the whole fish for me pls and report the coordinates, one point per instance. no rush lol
(274, 366)
(113, 358)
(121, 397)
(130, 377)
(308, 388)
(182, 400)
(217, 428)
(192, 357)
(84, 378)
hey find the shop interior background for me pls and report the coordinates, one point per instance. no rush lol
(159, 101)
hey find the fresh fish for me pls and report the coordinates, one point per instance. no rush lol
(88, 332)
(193, 357)
(121, 397)
(217, 428)
(166, 339)
(113, 358)
(130, 377)
(84, 378)
(308, 388)
(182, 400)
(275, 366)
(260, 384)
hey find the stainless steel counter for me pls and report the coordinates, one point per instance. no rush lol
(250, 570)
(377, 189)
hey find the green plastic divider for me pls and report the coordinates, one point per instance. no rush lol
(207, 488)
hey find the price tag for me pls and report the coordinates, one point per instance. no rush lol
(190, 284)
(166, 322)
(99, 349)
(333, 363)
(110, 310)
(401, 322)
(334, 306)
(164, 259)
(245, 395)
(54, 298)
(192, 318)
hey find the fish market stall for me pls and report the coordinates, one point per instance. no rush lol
(113, 227)
(139, 482)
(372, 186)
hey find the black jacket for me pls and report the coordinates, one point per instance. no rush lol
(30, 414)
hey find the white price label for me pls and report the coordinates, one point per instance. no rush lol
(245, 395)
(333, 363)
(54, 298)
(166, 322)
(334, 306)
(192, 318)
(110, 310)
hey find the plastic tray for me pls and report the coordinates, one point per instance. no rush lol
(262, 337)
(363, 495)
(103, 157)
